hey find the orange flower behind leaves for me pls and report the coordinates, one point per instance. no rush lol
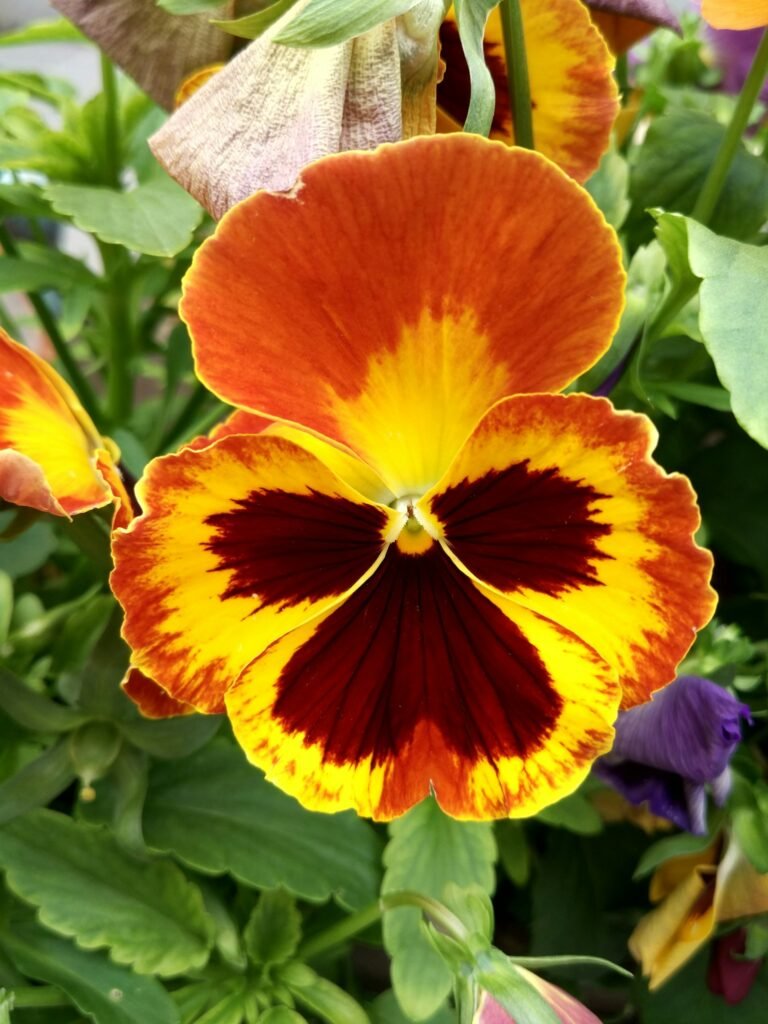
(737, 14)
(449, 576)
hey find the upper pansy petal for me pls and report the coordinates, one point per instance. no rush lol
(396, 325)
(624, 22)
(555, 502)
(423, 682)
(239, 542)
(49, 448)
(737, 14)
(150, 698)
(573, 93)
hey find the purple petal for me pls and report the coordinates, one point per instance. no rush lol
(733, 53)
(658, 12)
(666, 793)
(690, 728)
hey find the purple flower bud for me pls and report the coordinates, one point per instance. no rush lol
(667, 751)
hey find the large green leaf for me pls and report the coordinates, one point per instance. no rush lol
(733, 315)
(427, 851)
(673, 163)
(251, 26)
(87, 887)
(218, 814)
(102, 990)
(325, 22)
(157, 219)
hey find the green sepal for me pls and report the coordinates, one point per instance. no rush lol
(471, 19)
(327, 22)
(497, 975)
(251, 26)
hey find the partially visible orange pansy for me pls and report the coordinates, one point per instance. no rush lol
(695, 893)
(738, 14)
(51, 455)
(573, 92)
(429, 573)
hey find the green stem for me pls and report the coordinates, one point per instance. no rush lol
(340, 932)
(38, 995)
(78, 380)
(111, 153)
(119, 382)
(718, 172)
(444, 918)
(188, 414)
(517, 73)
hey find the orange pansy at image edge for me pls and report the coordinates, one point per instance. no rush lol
(448, 577)
(573, 92)
(51, 455)
(735, 14)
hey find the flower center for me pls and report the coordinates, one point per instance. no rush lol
(413, 538)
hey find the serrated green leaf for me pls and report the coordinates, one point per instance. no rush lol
(734, 310)
(157, 218)
(58, 30)
(471, 19)
(273, 931)
(428, 850)
(104, 992)
(218, 814)
(85, 887)
(326, 1000)
(326, 22)
(253, 25)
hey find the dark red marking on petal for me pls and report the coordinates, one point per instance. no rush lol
(454, 90)
(286, 548)
(418, 644)
(523, 528)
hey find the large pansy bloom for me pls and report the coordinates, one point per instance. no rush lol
(52, 458)
(450, 576)
(570, 68)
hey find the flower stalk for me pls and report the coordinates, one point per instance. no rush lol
(517, 73)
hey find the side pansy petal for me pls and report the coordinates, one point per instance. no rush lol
(570, 69)
(738, 14)
(423, 682)
(239, 543)
(157, 49)
(150, 698)
(624, 22)
(388, 336)
(49, 448)
(555, 502)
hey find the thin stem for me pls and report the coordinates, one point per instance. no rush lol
(80, 383)
(119, 382)
(38, 995)
(517, 73)
(444, 918)
(187, 415)
(718, 172)
(340, 932)
(111, 124)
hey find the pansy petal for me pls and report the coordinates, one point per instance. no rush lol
(155, 48)
(421, 682)
(624, 22)
(387, 334)
(48, 445)
(239, 542)
(737, 14)
(573, 93)
(151, 699)
(555, 502)
(273, 109)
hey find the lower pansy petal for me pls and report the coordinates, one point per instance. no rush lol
(48, 445)
(239, 543)
(150, 698)
(423, 682)
(555, 502)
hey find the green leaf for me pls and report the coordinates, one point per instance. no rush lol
(665, 849)
(157, 219)
(33, 711)
(218, 814)
(708, 395)
(281, 1015)
(609, 187)
(188, 6)
(58, 30)
(471, 19)
(749, 813)
(734, 310)
(253, 25)
(326, 22)
(37, 783)
(273, 931)
(6, 613)
(385, 1009)
(575, 813)
(170, 738)
(757, 938)
(87, 888)
(324, 999)
(514, 852)
(673, 163)
(428, 850)
(100, 989)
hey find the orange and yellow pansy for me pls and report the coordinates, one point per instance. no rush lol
(736, 14)
(448, 577)
(573, 92)
(52, 458)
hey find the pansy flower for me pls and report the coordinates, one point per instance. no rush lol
(625, 22)
(695, 893)
(448, 578)
(668, 751)
(573, 93)
(52, 457)
(738, 14)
